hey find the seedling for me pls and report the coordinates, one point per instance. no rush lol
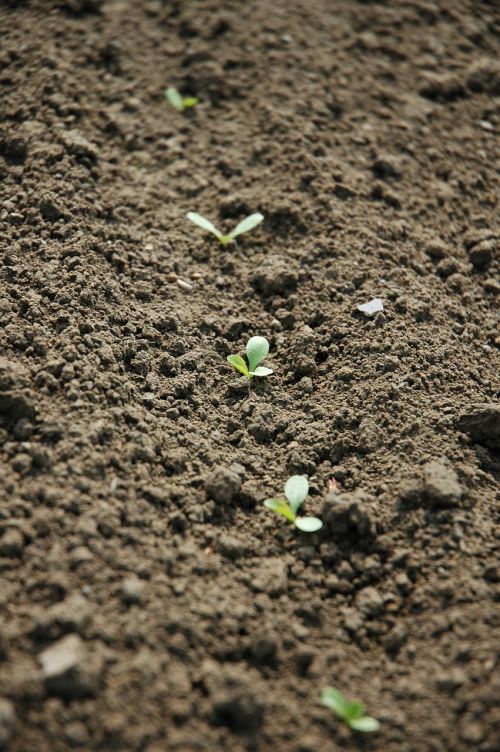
(351, 711)
(256, 350)
(244, 226)
(179, 102)
(296, 490)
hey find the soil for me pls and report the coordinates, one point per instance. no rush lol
(148, 600)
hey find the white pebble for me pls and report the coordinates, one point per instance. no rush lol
(373, 306)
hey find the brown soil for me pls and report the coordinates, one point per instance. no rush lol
(148, 600)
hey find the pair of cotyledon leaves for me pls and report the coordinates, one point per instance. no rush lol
(245, 225)
(296, 490)
(179, 102)
(351, 711)
(256, 350)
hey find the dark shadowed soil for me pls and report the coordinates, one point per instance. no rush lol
(148, 601)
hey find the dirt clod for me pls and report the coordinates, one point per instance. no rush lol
(482, 423)
(223, 485)
(388, 166)
(481, 255)
(350, 515)
(231, 547)
(270, 577)
(68, 669)
(369, 601)
(12, 543)
(235, 701)
(441, 484)
(276, 276)
(71, 615)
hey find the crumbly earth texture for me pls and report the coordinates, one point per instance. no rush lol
(148, 601)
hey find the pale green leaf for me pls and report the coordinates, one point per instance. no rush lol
(355, 710)
(174, 98)
(365, 724)
(238, 362)
(335, 700)
(204, 223)
(296, 489)
(280, 507)
(247, 224)
(256, 349)
(308, 524)
(261, 371)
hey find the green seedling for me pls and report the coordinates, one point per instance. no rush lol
(256, 350)
(351, 711)
(296, 490)
(244, 226)
(179, 102)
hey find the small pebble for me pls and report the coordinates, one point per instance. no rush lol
(133, 591)
(12, 543)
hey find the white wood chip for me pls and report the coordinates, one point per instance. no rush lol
(184, 285)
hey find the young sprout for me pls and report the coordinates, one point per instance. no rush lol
(351, 711)
(256, 350)
(296, 490)
(244, 226)
(179, 102)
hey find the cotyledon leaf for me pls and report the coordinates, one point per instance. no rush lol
(204, 223)
(355, 709)
(281, 507)
(247, 224)
(296, 489)
(335, 700)
(174, 98)
(261, 371)
(366, 724)
(257, 348)
(238, 362)
(308, 524)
